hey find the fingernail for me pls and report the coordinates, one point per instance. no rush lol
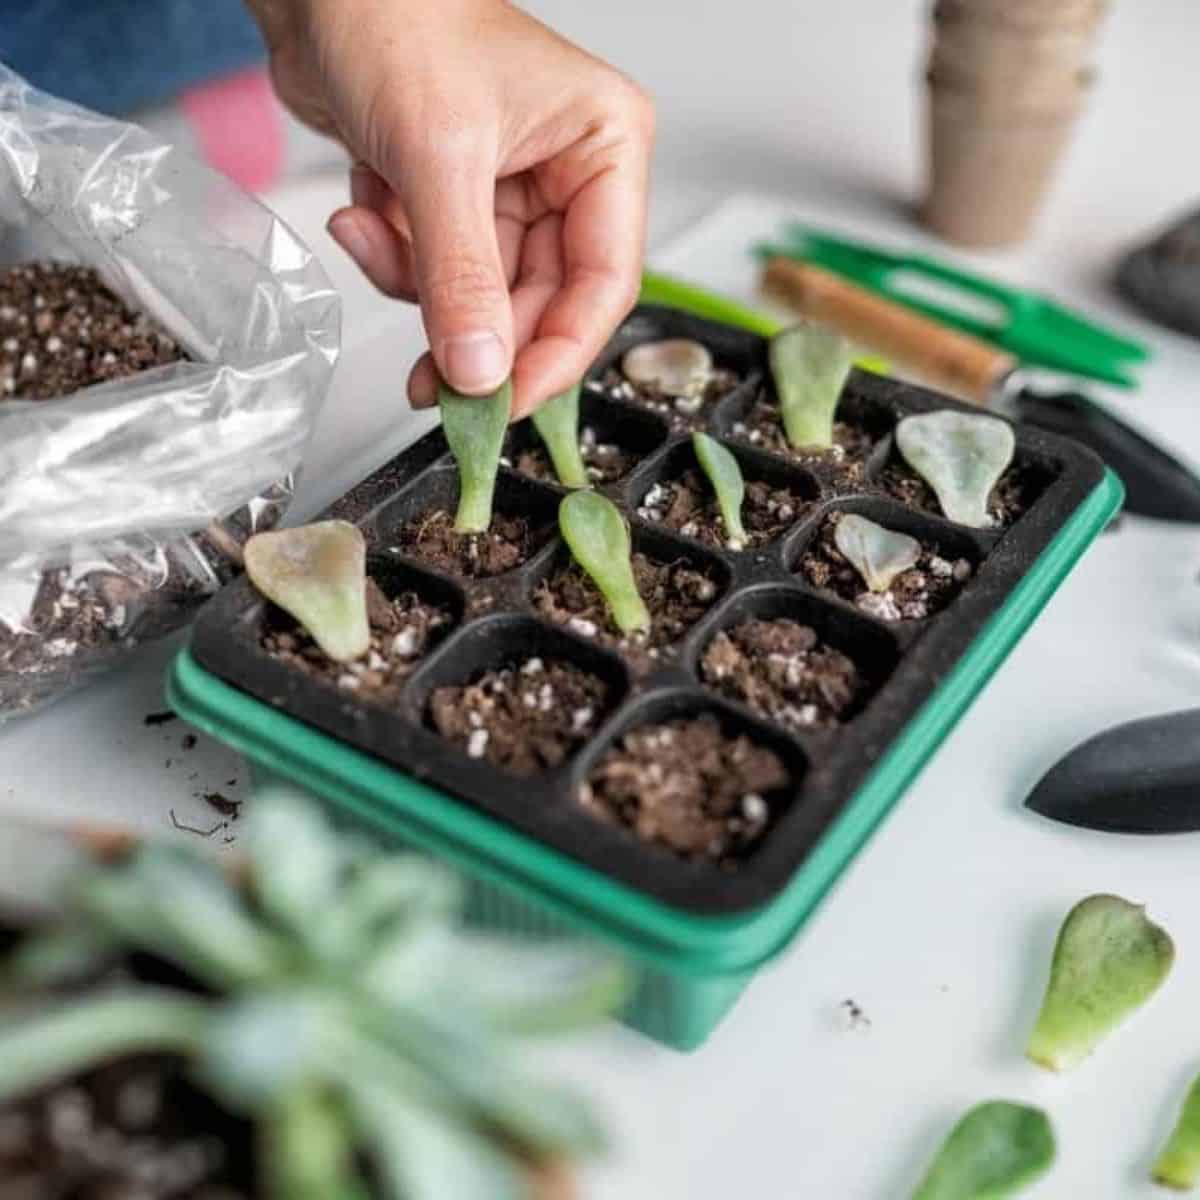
(474, 362)
(348, 233)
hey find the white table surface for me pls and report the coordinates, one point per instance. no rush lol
(942, 927)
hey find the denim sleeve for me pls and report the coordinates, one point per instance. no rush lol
(117, 56)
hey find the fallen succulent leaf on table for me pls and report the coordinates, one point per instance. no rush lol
(1178, 1166)
(996, 1149)
(1109, 960)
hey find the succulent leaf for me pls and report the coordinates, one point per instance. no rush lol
(961, 456)
(595, 530)
(474, 427)
(1109, 959)
(809, 364)
(997, 1149)
(879, 555)
(675, 366)
(725, 474)
(557, 423)
(1178, 1166)
(318, 574)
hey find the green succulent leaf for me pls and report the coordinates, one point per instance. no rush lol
(181, 908)
(318, 574)
(59, 955)
(598, 536)
(310, 1149)
(84, 1033)
(1109, 959)
(879, 555)
(961, 456)
(474, 427)
(725, 475)
(996, 1150)
(557, 423)
(1178, 1166)
(809, 364)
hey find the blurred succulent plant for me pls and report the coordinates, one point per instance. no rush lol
(997, 1149)
(598, 537)
(725, 475)
(341, 1010)
(876, 553)
(474, 427)
(809, 364)
(557, 423)
(1109, 959)
(318, 574)
(961, 456)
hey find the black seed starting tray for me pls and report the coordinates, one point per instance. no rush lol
(496, 622)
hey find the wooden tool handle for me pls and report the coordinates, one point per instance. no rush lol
(961, 364)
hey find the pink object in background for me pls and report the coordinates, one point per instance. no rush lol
(239, 128)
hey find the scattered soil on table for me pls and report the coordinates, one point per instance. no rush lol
(403, 630)
(133, 1130)
(683, 412)
(845, 460)
(915, 594)
(688, 787)
(784, 672)
(61, 330)
(677, 595)
(431, 537)
(523, 719)
(689, 506)
(1011, 496)
(606, 462)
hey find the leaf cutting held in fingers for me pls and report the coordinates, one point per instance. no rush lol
(961, 456)
(1178, 1166)
(1108, 960)
(474, 427)
(997, 1149)
(809, 364)
(725, 475)
(675, 366)
(879, 555)
(557, 423)
(318, 574)
(598, 537)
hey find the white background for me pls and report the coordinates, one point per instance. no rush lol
(942, 928)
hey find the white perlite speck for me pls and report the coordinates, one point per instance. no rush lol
(477, 743)
(582, 626)
(581, 718)
(754, 808)
(533, 667)
(404, 644)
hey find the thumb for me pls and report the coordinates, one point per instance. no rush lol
(459, 271)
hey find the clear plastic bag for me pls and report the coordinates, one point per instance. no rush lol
(122, 505)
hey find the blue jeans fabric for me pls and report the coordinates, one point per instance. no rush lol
(117, 56)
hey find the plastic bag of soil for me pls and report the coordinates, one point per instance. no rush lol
(165, 345)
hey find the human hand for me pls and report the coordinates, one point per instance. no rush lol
(501, 178)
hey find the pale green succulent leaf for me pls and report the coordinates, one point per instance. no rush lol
(80, 1034)
(1109, 960)
(310, 1149)
(675, 366)
(996, 1150)
(809, 364)
(879, 555)
(1178, 1166)
(57, 955)
(598, 537)
(318, 574)
(557, 423)
(961, 456)
(725, 474)
(474, 427)
(427, 1155)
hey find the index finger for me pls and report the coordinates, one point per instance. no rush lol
(603, 243)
